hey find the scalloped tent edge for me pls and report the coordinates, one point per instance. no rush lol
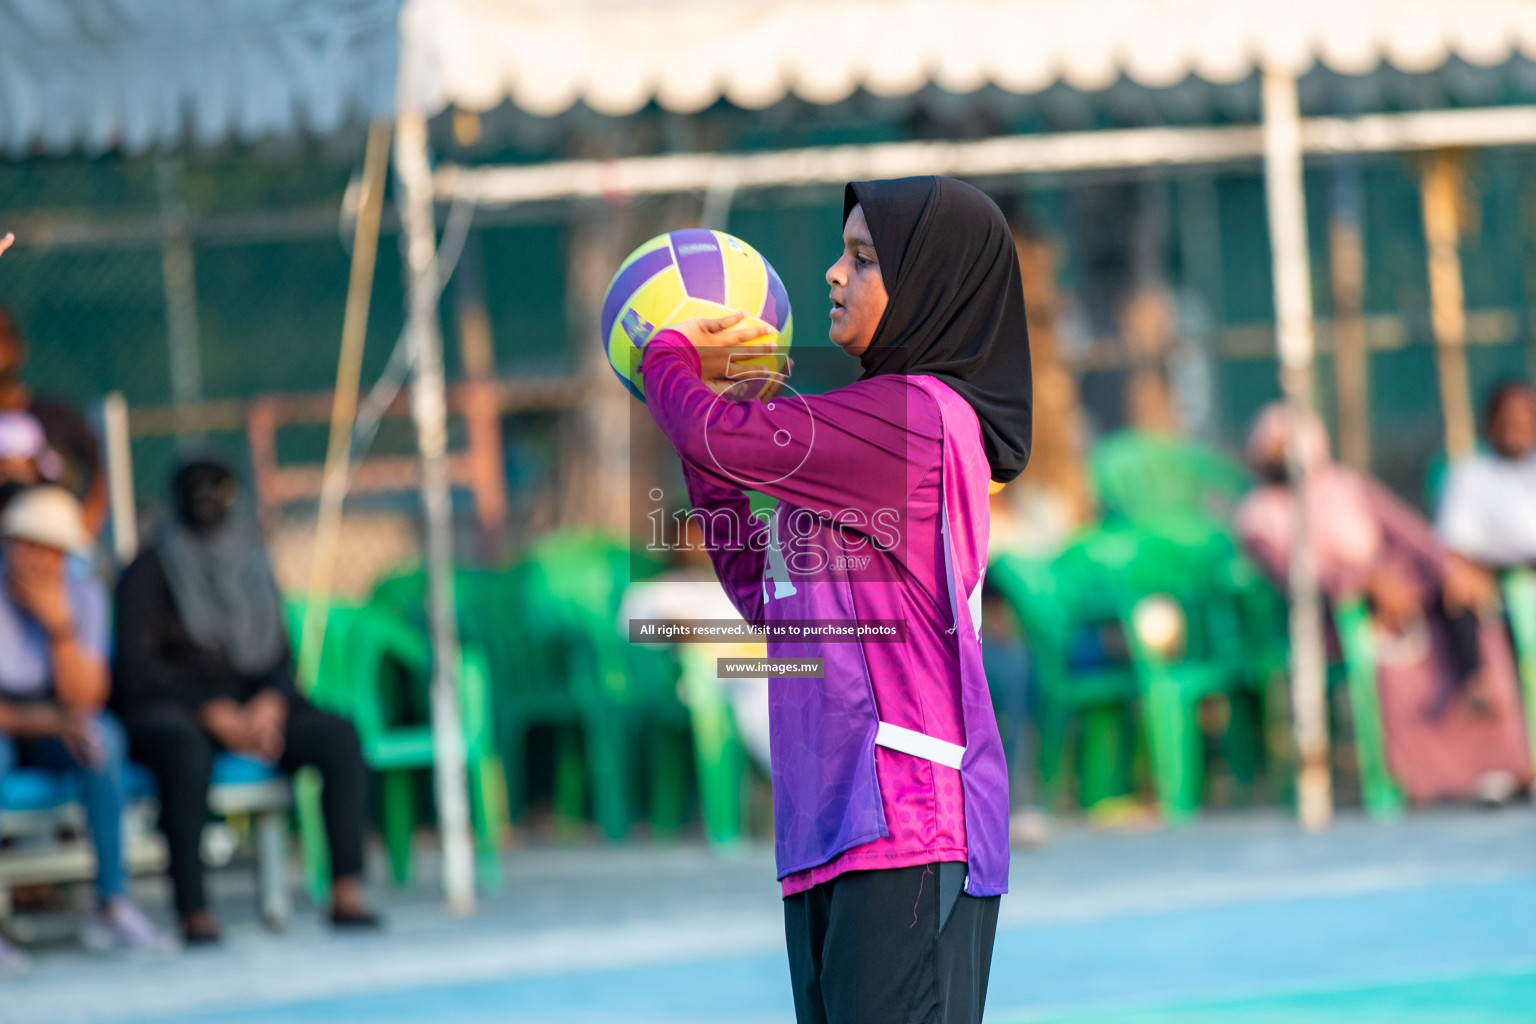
(685, 55)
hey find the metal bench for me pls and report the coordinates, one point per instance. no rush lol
(35, 806)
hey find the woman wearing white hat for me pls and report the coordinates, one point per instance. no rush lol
(54, 687)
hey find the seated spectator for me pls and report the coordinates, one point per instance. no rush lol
(1488, 511)
(203, 664)
(1446, 680)
(68, 434)
(53, 687)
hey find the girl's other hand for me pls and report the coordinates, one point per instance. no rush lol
(723, 348)
(6, 240)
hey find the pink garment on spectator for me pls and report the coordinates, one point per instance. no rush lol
(1345, 532)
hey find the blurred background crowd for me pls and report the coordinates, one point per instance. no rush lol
(173, 304)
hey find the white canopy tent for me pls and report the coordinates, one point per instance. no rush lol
(131, 76)
(134, 75)
(616, 57)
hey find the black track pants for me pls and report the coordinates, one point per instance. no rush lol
(169, 741)
(901, 946)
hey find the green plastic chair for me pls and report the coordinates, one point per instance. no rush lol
(548, 628)
(624, 693)
(720, 758)
(1221, 656)
(491, 616)
(1163, 483)
(669, 696)
(1056, 603)
(1382, 797)
(1184, 492)
(1097, 582)
(367, 652)
(1354, 670)
(528, 671)
(1186, 495)
(1519, 587)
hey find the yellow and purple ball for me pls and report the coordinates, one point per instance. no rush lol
(683, 275)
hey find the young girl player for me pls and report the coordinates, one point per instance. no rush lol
(889, 785)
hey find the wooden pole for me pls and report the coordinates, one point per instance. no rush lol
(1293, 314)
(430, 409)
(349, 368)
(482, 412)
(595, 446)
(1441, 192)
(1351, 360)
(1057, 465)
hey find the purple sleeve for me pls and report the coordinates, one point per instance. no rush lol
(852, 452)
(735, 537)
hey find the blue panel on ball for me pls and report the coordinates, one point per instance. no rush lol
(629, 281)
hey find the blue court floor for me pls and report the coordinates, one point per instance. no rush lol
(1237, 920)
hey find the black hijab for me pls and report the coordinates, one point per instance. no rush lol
(220, 580)
(956, 306)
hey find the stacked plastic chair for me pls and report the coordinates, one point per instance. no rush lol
(371, 661)
(628, 695)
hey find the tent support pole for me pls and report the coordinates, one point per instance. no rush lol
(429, 408)
(1293, 315)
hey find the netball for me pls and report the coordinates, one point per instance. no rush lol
(683, 275)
